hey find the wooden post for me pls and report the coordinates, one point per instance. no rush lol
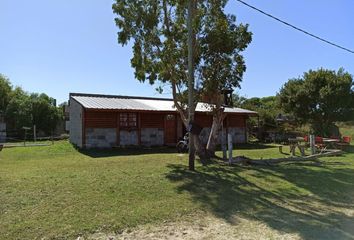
(281, 149)
(229, 140)
(34, 133)
(292, 148)
(223, 144)
(302, 150)
(24, 141)
(312, 144)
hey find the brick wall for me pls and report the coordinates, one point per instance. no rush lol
(101, 137)
(238, 135)
(128, 137)
(152, 137)
(107, 137)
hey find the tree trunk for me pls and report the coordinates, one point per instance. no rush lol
(213, 136)
(199, 147)
(218, 118)
(200, 150)
(273, 161)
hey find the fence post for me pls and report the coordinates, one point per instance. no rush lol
(229, 140)
(24, 140)
(312, 144)
(34, 133)
(223, 144)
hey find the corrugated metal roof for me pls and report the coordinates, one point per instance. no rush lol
(141, 104)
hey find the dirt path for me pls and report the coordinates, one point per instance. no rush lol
(208, 227)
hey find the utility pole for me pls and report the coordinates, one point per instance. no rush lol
(191, 81)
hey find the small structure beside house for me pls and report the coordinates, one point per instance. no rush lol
(2, 129)
(106, 121)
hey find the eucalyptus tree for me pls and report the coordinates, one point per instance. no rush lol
(223, 65)
(158, 31)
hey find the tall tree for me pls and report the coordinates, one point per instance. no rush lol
(319, 98)
(18, 111)
(158, 29)
(223, 65)
(267, 108)
(45, 114)
(5, 93)
(26, 110)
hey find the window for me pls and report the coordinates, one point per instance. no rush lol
(170, 117)
(128, 120)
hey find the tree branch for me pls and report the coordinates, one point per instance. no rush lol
(272, 161)
(177, 104)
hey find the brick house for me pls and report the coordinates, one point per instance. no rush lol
(105, 121)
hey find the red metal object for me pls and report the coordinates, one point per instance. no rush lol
(347, 139)
(318, 140)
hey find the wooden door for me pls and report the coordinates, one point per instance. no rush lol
(170, 129)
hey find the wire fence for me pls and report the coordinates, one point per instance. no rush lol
(28, 141)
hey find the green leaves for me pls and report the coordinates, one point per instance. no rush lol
(158, 30)
(5, 92)
(320, 98)
(266, 107)
(24, 109)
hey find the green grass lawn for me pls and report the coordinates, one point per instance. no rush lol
(58, 192)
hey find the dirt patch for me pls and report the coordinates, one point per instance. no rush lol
(207, 227)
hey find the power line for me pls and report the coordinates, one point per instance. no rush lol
(296, 28)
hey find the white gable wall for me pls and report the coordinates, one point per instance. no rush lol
(75, 129)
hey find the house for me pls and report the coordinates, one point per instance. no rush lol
(104, 121)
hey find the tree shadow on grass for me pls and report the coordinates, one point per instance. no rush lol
(349, 149)
(136, 150)
(256, 145)
(114, 152)
(311, 208)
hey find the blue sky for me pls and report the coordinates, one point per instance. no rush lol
(59, 47)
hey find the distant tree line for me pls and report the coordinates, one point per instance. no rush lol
(22, 109)
(318, 99)
(267, 107)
